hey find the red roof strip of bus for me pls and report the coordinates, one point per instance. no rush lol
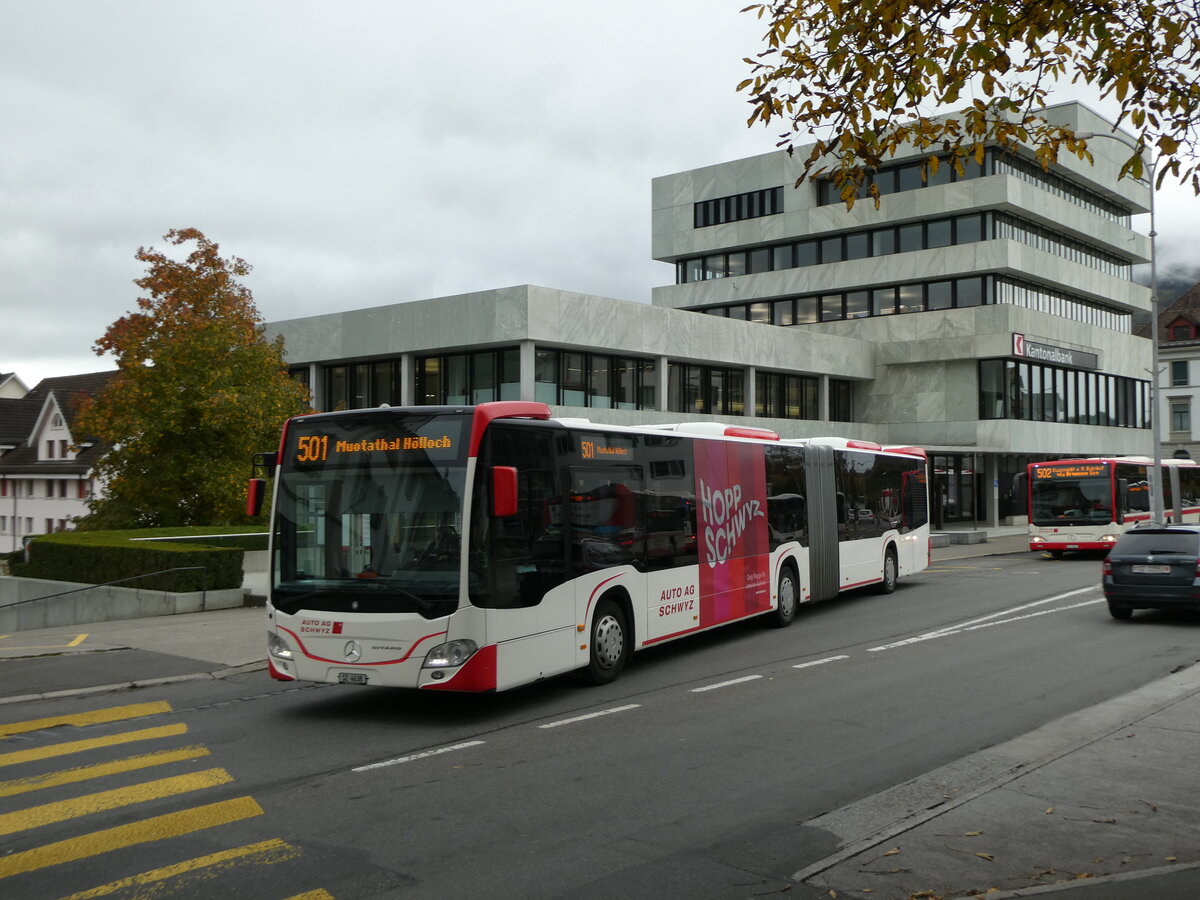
(762, 434)
(863, 445)
(486, 413)
(908, 451)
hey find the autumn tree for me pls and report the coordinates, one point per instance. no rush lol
(199, 390)
(865, 77)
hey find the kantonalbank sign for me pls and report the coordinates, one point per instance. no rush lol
(1060, 356)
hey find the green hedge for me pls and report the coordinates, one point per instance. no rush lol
(101, 557)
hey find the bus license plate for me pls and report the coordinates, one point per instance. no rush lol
(1072, 546)
(1151, 570)
(352, 678)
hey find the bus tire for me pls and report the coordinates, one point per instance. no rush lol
(609, 645)
(891, 572)
(789, 599)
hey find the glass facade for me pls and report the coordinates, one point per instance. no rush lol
(953, 293)
(596, 380)
(735, 208)
(468, 378)
(780, 396)
(906, 238)
(705, 389)
(1009, 389)
(359, 385)
(908, 176)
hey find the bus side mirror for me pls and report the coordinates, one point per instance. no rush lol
(504, 491)
(1122, 495)
(1018, 487)
(255, 493)
(265, 463)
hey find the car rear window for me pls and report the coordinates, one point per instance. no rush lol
(1159, 542)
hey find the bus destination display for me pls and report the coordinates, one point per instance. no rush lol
(1084, 470)
(438, 438)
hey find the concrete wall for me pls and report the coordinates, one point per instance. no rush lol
(21, 609)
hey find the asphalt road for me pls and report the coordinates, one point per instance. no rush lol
(692, 776)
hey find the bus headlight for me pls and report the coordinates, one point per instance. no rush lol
(277, 646)
(450, 654)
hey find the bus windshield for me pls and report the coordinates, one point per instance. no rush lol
(369, 514)
(1071, 499)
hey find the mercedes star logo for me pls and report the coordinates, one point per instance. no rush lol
(353, 651)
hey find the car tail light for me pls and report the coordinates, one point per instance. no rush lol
(1106, 566)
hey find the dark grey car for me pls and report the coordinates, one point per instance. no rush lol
(1153, 567)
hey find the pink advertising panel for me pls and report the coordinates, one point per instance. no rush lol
(731, 507)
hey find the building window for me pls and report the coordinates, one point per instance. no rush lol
(833, 248)
(464, 379)
(735, 208)
(841, 400)
(1181, 416)
(705, 389)
(1020, 390)
(779, 396)
(1179, 373)
(596, 380)
(359, 385)
(1181, 332)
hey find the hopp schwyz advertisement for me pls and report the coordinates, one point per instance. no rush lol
(732, 521)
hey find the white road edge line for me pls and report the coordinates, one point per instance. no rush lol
(416, 756)
(820, 662)
(595, 715)
(713, 687)
(996, 618)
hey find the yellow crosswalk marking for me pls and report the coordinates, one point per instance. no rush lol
(156, 828)
(48, 813)
(99, 770)
(95, 717)
(264, 853)
(17, 757)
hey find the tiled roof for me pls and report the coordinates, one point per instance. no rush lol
(1186, 307)
(19, 417)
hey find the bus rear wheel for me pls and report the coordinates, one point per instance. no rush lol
(609, 645)
(891, 572)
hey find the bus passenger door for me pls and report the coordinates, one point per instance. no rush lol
(823, 515)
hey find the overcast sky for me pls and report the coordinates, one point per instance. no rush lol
(360, 153)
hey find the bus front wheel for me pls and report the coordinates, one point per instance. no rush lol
(609, 646)
(891, 572)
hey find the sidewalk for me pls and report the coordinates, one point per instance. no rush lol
(105, 656)
(1104, 803)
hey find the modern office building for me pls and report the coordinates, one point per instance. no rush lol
(987, 316)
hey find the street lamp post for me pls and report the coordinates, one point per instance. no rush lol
(1154, 470)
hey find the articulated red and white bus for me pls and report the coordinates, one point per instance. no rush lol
(1086, 504)
(480, 548)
